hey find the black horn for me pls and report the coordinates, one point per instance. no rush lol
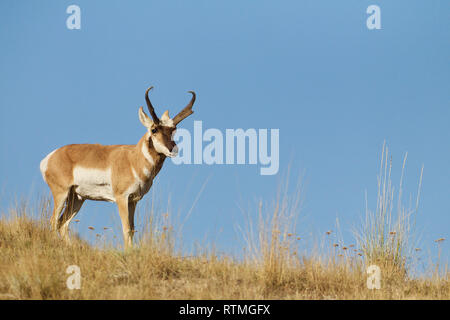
(187, 111)
(150, 107)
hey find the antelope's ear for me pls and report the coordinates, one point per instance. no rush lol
(165, 116)
(145, 120)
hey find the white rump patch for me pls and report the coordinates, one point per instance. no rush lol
(44, 163)
(93, 184)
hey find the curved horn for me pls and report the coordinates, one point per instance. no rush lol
(150, 106)
(187, 111)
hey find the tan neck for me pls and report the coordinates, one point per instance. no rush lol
(147, 157)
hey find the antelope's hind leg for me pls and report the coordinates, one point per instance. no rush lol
(73, 206)
(59, 199)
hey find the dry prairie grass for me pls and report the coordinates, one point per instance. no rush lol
(33, 260)
(33, 264)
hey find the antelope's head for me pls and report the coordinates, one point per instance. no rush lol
(161, 130)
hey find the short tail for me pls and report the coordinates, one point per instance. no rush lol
(43, 165)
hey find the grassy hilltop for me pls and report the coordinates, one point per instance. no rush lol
(34, 260)
(33, 263)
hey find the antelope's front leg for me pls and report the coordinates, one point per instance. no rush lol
(126, 212)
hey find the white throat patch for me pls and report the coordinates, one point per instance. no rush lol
(145, 152)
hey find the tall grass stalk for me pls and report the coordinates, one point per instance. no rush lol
(387, 234)
(271, 241)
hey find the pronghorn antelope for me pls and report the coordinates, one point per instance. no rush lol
(117, 173)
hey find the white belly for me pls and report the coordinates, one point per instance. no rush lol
(93, 184)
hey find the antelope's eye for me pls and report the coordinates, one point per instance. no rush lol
(154, 130)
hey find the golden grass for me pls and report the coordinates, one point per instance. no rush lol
(33, 260)
(33, 263)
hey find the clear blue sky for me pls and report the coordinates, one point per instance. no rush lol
(312, 69)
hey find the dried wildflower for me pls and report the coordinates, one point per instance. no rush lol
(91, 228)
(76, 220)
(439, 240)
(392, 233)
(289, 234)
(329, 232)
(344, 248)
(298, 238)
(335, 245)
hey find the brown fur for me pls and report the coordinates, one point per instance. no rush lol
(120, 159)
(119, 173)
